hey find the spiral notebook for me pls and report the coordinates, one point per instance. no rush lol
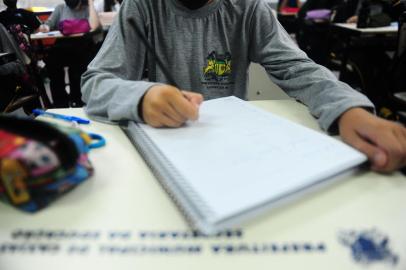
(238, 161)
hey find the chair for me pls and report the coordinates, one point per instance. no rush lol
(17, 88)
(22, 36)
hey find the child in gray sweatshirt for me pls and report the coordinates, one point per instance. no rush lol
(208, 46)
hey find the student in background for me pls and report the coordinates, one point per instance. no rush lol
(369, 64)
(9, 71)
(20, 24)
(107, 5)
(208, 46)
(283, 4)
(74, 53)
(17, 16)
(393, 9)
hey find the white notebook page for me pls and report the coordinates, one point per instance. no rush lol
(237, 156)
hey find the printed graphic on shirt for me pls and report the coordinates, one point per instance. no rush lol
(217, 71)
(218, 66)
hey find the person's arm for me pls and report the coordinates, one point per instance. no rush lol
(112, 85)
(32, 21)
(98, 5)
(93, 17)
(44, 28)
(53, 20)
(296, 74)
(352, 19)
(282, 5)
(298, 3)
(337, 106)
(383, 141)
(117, 5)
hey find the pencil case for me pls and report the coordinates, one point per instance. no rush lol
(40, 162)
(74, 26)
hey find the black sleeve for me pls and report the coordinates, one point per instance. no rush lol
(395, 11)
(3, 19)
(31, 20)
(12, 68)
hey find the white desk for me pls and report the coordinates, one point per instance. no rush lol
(52, 35)
(391, 29)
(124, 198)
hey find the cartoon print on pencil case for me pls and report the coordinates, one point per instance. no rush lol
(39, 158)
(12, 175)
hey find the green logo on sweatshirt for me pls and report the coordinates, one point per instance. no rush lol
(218, 66)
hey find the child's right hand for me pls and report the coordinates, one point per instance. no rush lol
(43, 28)
(353, 19)
(167, 106)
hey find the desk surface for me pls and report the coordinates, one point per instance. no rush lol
(393, 28)
(52, 35)
(122, 219)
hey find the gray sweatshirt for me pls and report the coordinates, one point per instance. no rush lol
(207, 51)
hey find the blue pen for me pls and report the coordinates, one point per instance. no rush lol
(61, 116)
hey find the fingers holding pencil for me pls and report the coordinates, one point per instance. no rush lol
(194, 98)
(167, 106)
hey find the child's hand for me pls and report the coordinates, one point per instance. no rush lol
(43, 28)
(167, 106)
(353, 19)
(384, 142)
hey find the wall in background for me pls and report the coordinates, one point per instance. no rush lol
(260, 87)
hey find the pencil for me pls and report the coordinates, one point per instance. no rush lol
(152, 51)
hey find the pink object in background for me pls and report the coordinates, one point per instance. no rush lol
(74, 26)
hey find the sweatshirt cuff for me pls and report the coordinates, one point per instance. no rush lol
(330, 123)
(124, 105)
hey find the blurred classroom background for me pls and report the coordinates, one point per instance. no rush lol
(365, 50)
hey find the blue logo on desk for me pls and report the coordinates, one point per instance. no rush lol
(369, 246)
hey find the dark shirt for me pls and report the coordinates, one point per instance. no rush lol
(292, 3)
(20, 16)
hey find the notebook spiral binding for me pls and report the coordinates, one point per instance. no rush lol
(169, 178)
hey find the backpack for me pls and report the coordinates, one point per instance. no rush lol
(30, 82)
(21, 35)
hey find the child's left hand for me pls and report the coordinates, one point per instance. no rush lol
(383, 141)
